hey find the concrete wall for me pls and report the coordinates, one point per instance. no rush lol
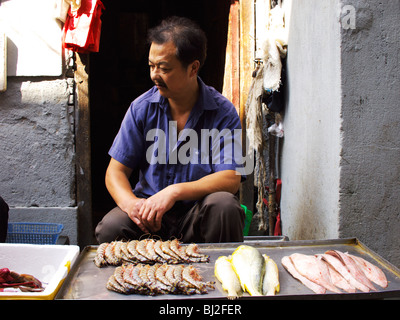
(37, 176)
(370, 177)
(340, 161)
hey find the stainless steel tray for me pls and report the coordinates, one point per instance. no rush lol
(86, 281)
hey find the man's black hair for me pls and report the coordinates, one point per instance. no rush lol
(189, 39)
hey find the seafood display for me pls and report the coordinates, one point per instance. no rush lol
(157, 279)
(23, 282)
(225, 274)
(334, 271)
(248, 271)
(155, 267)
(147, 251)
(289, 278)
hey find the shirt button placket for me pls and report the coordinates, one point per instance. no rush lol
(170, 176)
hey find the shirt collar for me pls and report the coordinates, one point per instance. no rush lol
(205, 100)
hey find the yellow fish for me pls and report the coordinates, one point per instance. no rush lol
(249, 265)
(224, 272)
(271, 283)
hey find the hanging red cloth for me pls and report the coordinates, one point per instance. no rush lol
(83, 27)
(278, 224)
(278, 191)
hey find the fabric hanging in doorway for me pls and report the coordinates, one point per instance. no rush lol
(83, 27)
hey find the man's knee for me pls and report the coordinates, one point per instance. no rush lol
(115, 225)
(222, 200)
(224, 204)
(223, 218)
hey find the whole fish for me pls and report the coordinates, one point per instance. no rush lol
(225, 274)
(271, 277)
(249, 265)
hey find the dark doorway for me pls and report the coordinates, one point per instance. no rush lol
(119, 71)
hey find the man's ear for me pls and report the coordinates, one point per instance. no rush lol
(194, 68)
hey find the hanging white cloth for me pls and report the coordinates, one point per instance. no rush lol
(274, 49)
(254, 111)
(61, 8)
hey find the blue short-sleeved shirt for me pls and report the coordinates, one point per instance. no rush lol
(147, 140)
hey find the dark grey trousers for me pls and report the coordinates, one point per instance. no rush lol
(216, 218)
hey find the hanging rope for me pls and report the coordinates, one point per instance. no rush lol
(266, 80)
(255, 134)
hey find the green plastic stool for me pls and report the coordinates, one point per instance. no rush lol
(247, 221)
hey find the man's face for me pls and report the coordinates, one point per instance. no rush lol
(166, 71)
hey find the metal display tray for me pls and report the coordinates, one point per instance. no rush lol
(86, 281)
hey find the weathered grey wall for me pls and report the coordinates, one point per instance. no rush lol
(341, 154)
(37, 176)
(370, 177)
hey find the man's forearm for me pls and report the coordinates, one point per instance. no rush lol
(119, 187)
(228, 181)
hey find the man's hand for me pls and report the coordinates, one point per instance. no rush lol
(153, 209)
(117, 183)
(132, 211)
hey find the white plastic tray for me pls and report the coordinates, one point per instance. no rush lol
(48, 263)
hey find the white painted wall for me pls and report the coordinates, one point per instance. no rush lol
(3, 61)
(33, 37)
(312, 142)
(341, 153)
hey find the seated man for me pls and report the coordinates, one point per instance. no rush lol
(172, 135)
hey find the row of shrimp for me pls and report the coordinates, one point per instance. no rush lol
(157, 279)
(148, 251)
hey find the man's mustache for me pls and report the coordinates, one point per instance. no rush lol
(159, 83)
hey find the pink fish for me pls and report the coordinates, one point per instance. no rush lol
(313, 269)
(372, 272)
(287, 263)
(338, 280)
(344, 272)
(353, 268)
